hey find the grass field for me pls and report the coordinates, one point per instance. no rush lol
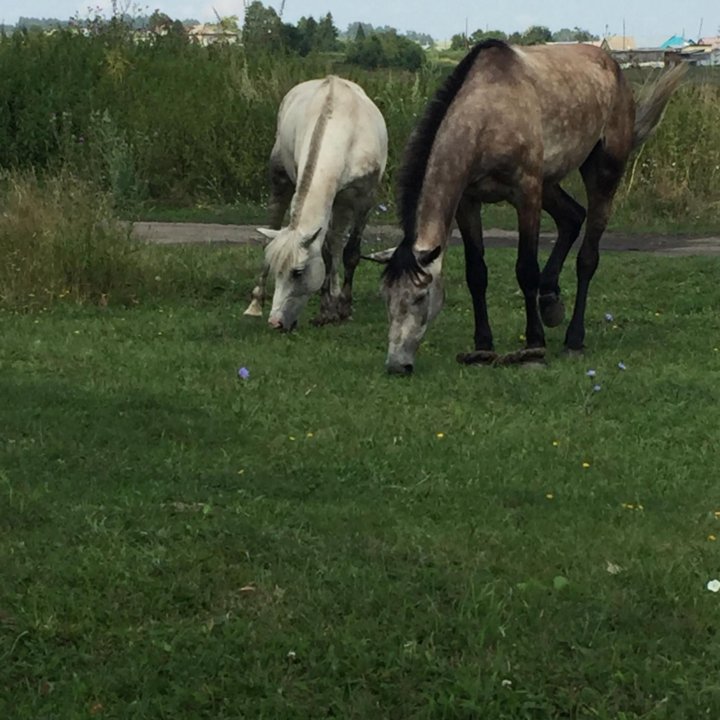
(320, 540)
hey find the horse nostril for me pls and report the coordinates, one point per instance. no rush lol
(397, 369)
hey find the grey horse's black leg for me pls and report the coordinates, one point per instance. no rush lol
(601, 173)
(568, 216)
(469, 220)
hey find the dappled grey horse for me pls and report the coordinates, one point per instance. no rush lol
(509, 124)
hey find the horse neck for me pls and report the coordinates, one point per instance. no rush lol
(443, 186)
(314, 209)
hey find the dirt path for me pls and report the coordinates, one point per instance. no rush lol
(185, 233)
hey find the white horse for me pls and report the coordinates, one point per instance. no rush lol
(330, 152)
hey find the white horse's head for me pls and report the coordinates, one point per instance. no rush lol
(296, 262)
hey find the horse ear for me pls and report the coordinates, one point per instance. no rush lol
(308, 241)
(381, 256)
(427, 257)
(268, 233)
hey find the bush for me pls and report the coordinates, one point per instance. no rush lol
(385, 50)
(60, 239)
(180, 125)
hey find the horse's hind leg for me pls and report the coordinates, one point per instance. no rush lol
(568, 216)
(257, 296)
(527, 271)
(469, 220)
(281, 192)
(601, 173)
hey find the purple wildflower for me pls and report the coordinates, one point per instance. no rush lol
(243, 373)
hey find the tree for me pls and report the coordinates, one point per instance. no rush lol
(366, 52)
(458, 42)
(385, 50)
(307, 28)
(584, 35)
(229, 23)
(327, 34)
(575, 35)
(262, 28)
(536, 35)
(420, 38)
(358, 30)
(563, 35)
(480, 35)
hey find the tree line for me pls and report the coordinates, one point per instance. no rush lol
(534, 35)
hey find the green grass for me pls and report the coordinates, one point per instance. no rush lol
(244, 213)
(177, 543)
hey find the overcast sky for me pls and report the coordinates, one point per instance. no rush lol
(649, 21)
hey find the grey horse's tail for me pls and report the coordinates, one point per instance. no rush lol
(652, 103)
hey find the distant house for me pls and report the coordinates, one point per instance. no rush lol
(675, 42)
(616, 43)
(641, 57)
(711, 41)
(700, 55)
(207, 34)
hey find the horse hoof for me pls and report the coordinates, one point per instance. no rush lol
(254, 309)
(477, 357)
(527, 356)
(552, 310)
(321, 320)
(574, 352)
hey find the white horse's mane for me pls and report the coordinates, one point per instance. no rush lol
(286, 252)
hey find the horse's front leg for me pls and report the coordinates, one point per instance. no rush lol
(257, 296)
(332, 307)
(469, 220)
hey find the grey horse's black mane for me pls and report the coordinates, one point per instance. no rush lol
(415, 161)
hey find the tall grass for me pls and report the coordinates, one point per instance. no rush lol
(175, 124)
(59, 239)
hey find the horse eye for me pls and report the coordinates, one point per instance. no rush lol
(296, 273)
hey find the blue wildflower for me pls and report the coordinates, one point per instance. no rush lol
(382, 208)
(621, 366)
(243, 373)
(597, 388)
(609, 317)
(591, 373)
